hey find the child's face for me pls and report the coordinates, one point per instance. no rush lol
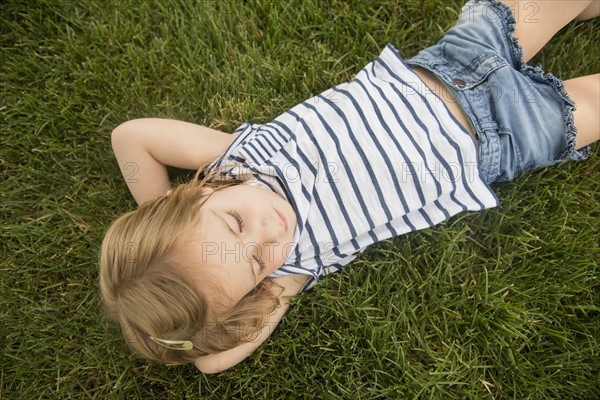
(245, 233)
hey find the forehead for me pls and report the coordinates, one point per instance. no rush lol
(223, 257)
(211, 228)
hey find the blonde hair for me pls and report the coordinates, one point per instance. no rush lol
(148, 290)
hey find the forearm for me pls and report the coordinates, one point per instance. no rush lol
(218, 362)
(213, 363)
(145, 177)
(177, 143)
(144, 147)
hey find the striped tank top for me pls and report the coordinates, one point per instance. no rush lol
(367, 160)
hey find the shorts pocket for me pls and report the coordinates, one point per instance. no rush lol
(475, 72)
(511, 163)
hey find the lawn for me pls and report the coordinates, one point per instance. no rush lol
(502, 304)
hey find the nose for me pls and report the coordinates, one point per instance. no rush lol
(270, 229)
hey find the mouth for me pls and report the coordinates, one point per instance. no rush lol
(285, 224)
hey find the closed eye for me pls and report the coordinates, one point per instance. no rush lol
(238, 219)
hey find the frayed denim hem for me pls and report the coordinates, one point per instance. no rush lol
(537, 74)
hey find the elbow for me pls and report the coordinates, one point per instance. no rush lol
(207, 367)
(117, 136)
(208, 371)
(121, 133)
(219, 362)
(132, 132)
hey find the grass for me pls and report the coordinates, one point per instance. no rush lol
(502, 304)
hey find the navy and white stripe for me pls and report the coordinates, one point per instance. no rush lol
(364, 161)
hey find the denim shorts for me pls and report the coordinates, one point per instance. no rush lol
(523, 117)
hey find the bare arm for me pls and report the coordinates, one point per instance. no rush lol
(145, 147)
(214, 363)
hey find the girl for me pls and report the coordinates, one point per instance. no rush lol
(202, 272)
